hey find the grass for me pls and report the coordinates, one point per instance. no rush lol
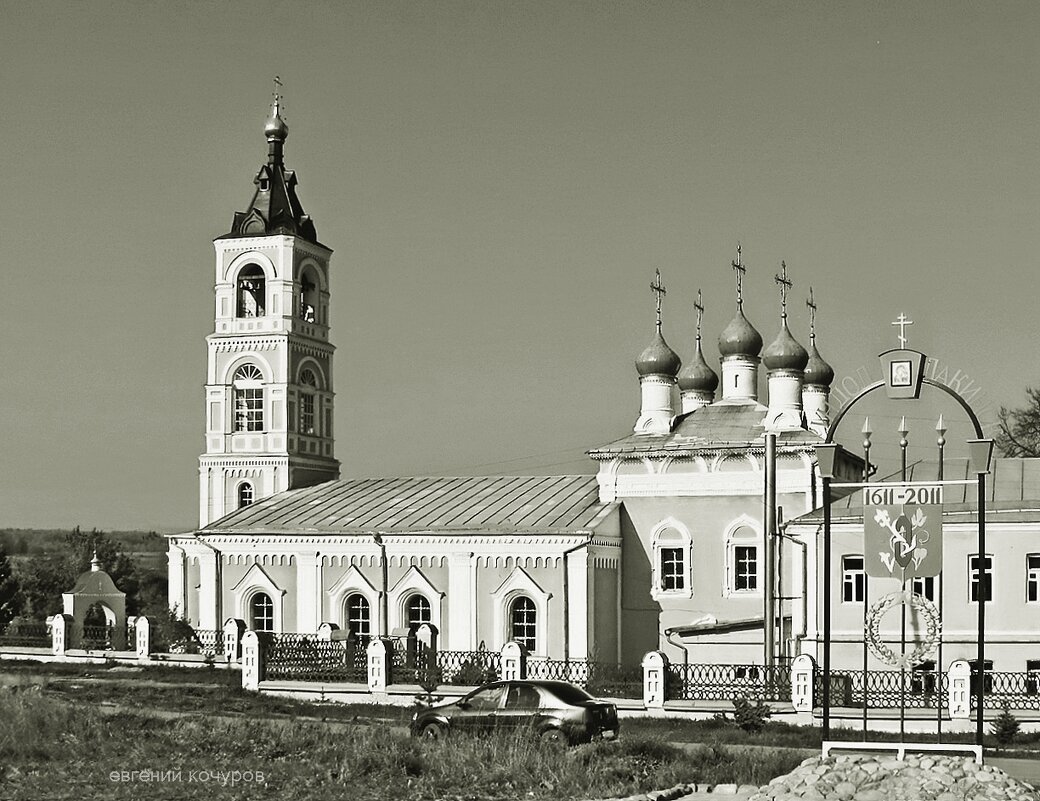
(53, 748)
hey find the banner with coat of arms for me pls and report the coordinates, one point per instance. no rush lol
(902, 530)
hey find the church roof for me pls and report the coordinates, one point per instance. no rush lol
(1012, 492)
(477, 504)
(718, 426)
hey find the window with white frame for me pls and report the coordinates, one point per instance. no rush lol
(309, 382)
(1033, 578)
(358, 616)
(853, 579)
(742, 561)
(261, 612)
(672, 569)
(417, 611)
(924, 586)
(248, 390)
(245, 494)
(978, 587)
(523, 622)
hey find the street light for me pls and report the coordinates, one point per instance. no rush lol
(980, 455)
(826, 455)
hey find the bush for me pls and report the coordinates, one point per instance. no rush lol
(1004, 727)
(750, 718)
(472, 673)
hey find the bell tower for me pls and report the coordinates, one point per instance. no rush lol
(269, 394)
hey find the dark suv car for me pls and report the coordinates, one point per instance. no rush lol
(554, 710)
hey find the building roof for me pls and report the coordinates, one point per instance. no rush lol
(1012, 492)
(469, 505)
(719, 426)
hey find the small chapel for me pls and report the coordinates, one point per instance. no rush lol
(663, 548)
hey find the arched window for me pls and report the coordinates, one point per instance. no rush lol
(309, 382)
(249, 398)
(742, 561)
(417, 611)
(359, 616)
(523, 620)
(672, 574)
(252, 292)
(261, 612)
(308, 298)
(245, 494)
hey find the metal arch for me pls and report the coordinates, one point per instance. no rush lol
(849, 405)
(878, 384)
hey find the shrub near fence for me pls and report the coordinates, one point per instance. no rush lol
(469, 667)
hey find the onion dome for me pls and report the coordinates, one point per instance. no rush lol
(740, 338)
(784, 353)
(698, 375)
(658, 358)
(817, 371)
(275, 129)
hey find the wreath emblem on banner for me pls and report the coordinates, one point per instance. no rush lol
(923, 648)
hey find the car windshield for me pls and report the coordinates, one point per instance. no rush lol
(570, 694)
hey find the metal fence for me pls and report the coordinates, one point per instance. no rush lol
(96, 638)
(725, 682)
(303, 657)
(1016, 690)
(599, 678)
(29, 635)
(469, 667)
(885, 689)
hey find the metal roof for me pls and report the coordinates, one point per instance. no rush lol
(478, 504)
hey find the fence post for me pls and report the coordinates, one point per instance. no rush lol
(233, 631)
(378, 665)
(143, 637)
(958, 692)
(61, 631)
(514, 661)
(655, 668)
(252, 661)
(803, 687)
(325, 631)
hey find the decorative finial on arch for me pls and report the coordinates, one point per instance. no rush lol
(811, 303)
(739, 268)
(95, 563)
(658, 289)
(785, 284)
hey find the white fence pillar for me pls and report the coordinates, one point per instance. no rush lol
(326, 630)
(514, 662)
(378, 666)
(142, 637)
(252, 661)
(233, 631)
(959, 690)
(655, 668)
(61, 633)
(803, 686)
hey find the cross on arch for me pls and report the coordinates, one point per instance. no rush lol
(902, 322)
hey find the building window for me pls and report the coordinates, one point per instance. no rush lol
(261, 612)
(245, 494)
(251, 292)
(249, 398)
(359, 616)
(987, 585)
(672, 553)
(673, 569)
(853, 580)
(742, 561)
(308, 298)
(1033, 677)
(417, 611)
(308, 380)
(523, 617)
(1033, 578)
(924, 586)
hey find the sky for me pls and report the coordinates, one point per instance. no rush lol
(499, 181)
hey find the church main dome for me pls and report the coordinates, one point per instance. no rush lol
(658, 358)
(784, 352)
(740, 338)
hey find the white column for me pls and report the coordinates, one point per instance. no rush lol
(461, 603)
(308, 591)
(208, 590)
(578, 620)
(176, 566)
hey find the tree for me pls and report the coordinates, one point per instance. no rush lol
(1018, 430)
(1004, 727)
(10, 592)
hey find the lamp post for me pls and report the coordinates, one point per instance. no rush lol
(980, 454)
(825, 458)
(940, 430)
(867, 432)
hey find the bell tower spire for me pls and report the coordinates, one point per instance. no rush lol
(269, 387)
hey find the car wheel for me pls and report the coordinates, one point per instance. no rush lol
(554, 738)
(432, 731)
